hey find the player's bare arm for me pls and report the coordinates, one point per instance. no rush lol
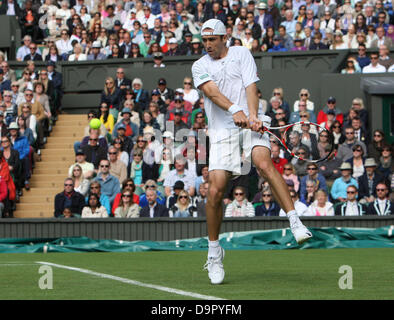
(253, 107)
(213, 93)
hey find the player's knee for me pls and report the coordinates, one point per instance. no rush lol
(215, 194)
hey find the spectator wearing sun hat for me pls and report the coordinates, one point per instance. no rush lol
(369, 180)
(96, 54)
(174, 48)
(131, 130)
(339, 187)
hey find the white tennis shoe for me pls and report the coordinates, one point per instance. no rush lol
(301, 233)
(214, 265)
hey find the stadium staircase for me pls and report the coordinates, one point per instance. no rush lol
(49, 173)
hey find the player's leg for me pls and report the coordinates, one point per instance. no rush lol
(214, 214)
(261, 157)
(218, 180)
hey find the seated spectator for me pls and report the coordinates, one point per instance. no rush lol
(94, 209)
(77, 54)
(300, 166)
(357, 161)
(69, 198)
(375, 147)
(128, 185)
(148, 121)
(240, 206)
(67, 214)
(202, 178)
(87, 167)
(95, 187)
(268, 207)
(290, 174)
(382, 206)
(338, 134)
(368, 181)
(166, 163)
(300, 207)
(329, 167)
(81, 184)
(374, 66)
(172, 199)
(345, 151)
(112, 96)
(141, 95)
(153, 209)
(279, 163)
(93, 151)
(338, 189)
(11, 168)
(24, 131)
(182, 174)
(127, 208)
(130, 128)
(30, 121)
(317, 43)
(183, 208)
(331, 105)
(330, 120)
(121, 153)
(304, 95)
(179, 107)
(118, 168)
(313, 174)
(201, 200)
(21, 144)
(295, 115)
(320, 206)
(351, 67)
(151, 184)
(295, 144)
(350, 207)
(386, 163)
(3, 196)
(127, 143)
(136, 169)
(95, 52)
(189, 94)
(310, 192)
(309, 137)
(10, 110)
(361, 133)
(110, 185)
(106, 118)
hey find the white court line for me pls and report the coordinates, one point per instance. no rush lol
(133, 282)
(16, 264)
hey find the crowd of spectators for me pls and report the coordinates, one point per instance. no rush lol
(140, 163)
(80, 30)
(150, 158)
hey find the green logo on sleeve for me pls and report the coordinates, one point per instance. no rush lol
(204, 76)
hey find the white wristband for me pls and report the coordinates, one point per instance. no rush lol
(234, 109)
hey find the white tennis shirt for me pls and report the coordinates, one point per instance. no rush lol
(232, 74)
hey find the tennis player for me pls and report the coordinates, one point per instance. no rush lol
(227, 77)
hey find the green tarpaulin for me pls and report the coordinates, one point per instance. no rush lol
(328, 238)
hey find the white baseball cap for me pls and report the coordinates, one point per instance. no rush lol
(216, 25)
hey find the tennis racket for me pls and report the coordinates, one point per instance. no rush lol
(309, 134)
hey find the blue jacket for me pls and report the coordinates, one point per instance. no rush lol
(278, 48)
(160, 199)
(110, 187)
(304, 179)
(21, 144)
(338, 189)
(273, 210)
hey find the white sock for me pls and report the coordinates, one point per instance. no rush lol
(293, 218)
(213, 248)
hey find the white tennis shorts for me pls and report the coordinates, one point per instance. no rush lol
(231, 149)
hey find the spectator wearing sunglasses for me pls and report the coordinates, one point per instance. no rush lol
(151, 185)
(382, 206)
(183, 208)
(268, 206)
(240, 206)
(127, 208)
(110, 185)
(351, 207)
(313, 174)
(69, 198)
(93, 151)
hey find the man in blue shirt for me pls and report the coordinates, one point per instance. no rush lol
(110, 185)
(339, 187)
